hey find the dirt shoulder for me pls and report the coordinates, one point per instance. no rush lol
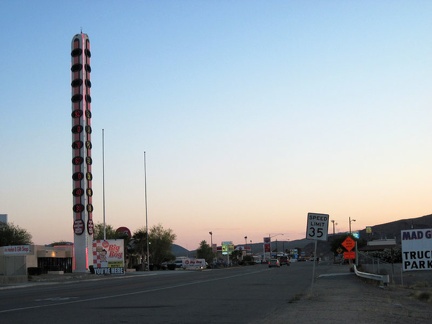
(345, 297)
(62, 277)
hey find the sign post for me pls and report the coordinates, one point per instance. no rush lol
(316, 229)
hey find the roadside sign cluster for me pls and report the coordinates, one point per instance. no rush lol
(349, 244)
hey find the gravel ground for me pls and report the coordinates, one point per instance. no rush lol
(344, 297)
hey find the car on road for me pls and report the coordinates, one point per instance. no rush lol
(172, 265)
(284, 260)
(274, 263)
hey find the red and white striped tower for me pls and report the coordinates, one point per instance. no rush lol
(81, 152)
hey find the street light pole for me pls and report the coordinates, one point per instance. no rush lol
(211, 247)
(146, 213)
(350, 220)
(103, 183)
(245, 252)
(283, 246)
(270, 237)
(333, 221)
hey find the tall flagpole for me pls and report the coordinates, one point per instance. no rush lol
(103, 183)
(146, 213)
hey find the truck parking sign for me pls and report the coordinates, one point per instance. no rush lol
(416, 249)
(317, 226)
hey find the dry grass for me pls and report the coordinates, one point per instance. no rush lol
(296, 298)
(422, 291)
(425, 296)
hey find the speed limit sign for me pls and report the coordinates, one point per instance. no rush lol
(317, 226)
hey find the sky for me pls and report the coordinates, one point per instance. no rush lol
(251, 114)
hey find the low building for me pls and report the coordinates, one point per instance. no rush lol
(35, 259)
(379, 245)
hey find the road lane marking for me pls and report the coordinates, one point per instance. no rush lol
(335, 274)
(128, 294)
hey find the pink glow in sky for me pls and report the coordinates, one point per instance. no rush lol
(251, 115)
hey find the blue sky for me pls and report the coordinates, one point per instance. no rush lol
(251, 113)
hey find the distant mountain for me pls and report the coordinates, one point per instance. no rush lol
(179, 251)
(393, 229)
(388, 230)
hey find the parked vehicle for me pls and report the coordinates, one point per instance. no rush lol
(274, 263)
(178, 263)
(284, 260)
(189, 264)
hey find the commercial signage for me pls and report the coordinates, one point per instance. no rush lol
(124, 231)
(266, 244)
(227, 247)
(317, 226)
(16, 249)
(416, 249)
(81, 114)
(108, 257)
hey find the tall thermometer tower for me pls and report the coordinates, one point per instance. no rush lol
(81, 152)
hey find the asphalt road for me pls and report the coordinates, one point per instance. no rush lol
(233, 295)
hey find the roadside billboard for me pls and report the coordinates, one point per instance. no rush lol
(108, 257)
(267, 243)
(227, 247)
(416, 249)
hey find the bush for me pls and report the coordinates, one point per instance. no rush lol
(389, 255)
(139, 267)
(34, 271)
